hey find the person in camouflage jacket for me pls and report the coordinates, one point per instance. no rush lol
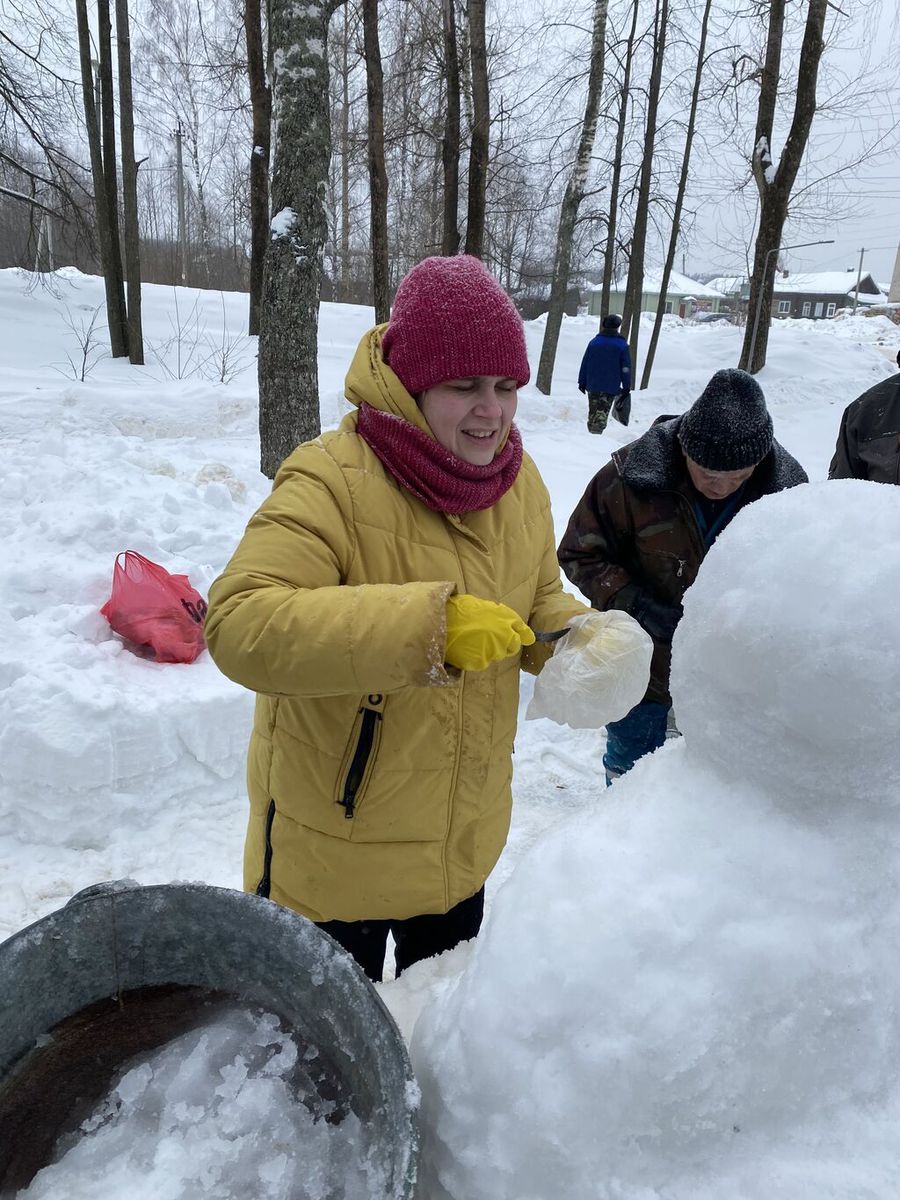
(647, 519)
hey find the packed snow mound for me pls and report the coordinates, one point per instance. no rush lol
(796, 607)
(692, 993)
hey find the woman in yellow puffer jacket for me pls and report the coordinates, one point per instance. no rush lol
(379, 604)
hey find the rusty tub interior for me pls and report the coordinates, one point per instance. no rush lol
(135, 1014)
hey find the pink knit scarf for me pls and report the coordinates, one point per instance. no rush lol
(437, 477)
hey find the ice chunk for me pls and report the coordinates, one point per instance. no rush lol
(224, 1112)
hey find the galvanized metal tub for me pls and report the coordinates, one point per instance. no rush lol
(122, 969)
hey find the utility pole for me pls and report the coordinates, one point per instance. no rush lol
(182, 239)
(858, 278)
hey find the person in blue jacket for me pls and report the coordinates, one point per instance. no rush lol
(605, 373)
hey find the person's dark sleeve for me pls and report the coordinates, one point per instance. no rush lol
(846, 463)
(582, 374)
(626, 368)
(594, 551)
(591, 552)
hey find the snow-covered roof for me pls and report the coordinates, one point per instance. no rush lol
(827, 283)
(679, 285)
(729, 285)
(869, 298)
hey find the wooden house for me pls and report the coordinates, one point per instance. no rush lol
(684, 296)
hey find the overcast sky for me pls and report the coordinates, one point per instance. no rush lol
(862, 210)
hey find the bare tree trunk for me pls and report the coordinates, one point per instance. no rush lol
(289, 313)
(403, 247)
(345, 157)
(378, 186)
(609, 257)
(205, 255)
(436, 202)
(114, 298)
(129, 187)
(481, 128)
(450, 144)
(572, 201)
(181, 263)
(679, 199)
(110, 164)
(635, 286)
(261, 109)
(628, 301)
(775, 183)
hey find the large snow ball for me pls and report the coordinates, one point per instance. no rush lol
(689, 994)
(785, 667)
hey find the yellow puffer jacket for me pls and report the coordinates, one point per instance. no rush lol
(379, 782)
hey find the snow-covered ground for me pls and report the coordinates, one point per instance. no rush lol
(112, 766)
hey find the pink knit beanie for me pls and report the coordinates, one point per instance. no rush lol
(452, 320)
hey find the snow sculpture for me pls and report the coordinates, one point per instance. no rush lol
(799, 612)
(694, 992)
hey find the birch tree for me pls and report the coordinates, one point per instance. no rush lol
(572, 198)
(289, 314)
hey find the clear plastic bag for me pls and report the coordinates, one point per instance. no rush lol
(599, 671)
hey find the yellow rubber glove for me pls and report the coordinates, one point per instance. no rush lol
(480, 632)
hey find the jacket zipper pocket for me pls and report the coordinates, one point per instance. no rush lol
(359, 763)
(264, 885)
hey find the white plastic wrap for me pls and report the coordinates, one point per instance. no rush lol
(599, 671)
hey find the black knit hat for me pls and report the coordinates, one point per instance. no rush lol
(611, 321)
(728, 428)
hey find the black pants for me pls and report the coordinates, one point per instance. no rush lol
(415, 938)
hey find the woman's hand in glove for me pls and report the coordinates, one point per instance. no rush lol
(480, 632)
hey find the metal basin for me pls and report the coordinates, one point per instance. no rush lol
(122, 969)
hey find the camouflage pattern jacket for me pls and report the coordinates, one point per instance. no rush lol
(635, 525)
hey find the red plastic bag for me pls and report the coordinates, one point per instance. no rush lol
(154, 609)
